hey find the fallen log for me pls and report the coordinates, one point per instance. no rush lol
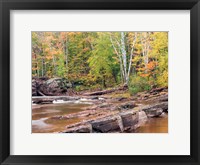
(105, 91)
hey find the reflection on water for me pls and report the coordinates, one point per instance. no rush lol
(42, 122)
(41, 114)
(155, 125)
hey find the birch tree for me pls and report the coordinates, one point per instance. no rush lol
(145, 44)
(125, 57)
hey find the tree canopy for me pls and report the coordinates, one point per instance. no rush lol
(94, 60)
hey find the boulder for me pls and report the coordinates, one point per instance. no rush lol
(34, 87)
(108, 124)
(129, 119)
(154, 112)
(36, 82)
(55, 86)
(162, 105)
(49, 87)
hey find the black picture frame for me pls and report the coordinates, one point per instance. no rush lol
(7, 5)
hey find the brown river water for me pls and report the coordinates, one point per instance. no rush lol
(41, 122)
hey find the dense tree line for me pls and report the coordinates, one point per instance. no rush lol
(102, 59)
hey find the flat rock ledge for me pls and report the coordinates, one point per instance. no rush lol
(83, 128)
(50, 99)
(123, 121)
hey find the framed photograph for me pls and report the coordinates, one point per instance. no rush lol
(105, 82)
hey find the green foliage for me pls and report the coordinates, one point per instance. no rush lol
(102, 63)
(94, 59)
(61, 68)
(138, 84)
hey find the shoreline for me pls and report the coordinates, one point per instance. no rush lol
(105, 113)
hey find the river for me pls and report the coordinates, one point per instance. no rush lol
(42, 122)
(155, 125)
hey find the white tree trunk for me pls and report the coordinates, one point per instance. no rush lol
(131, 56)
(120, 59)
(123, 50)
(145, 47)
(120, 49)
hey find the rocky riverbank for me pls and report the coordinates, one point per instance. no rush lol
(51, 87)
(108, 113)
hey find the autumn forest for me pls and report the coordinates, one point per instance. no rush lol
(100, 82)
(99, 60)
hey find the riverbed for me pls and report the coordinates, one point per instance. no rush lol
(42, 121)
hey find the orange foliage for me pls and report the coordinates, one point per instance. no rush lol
(49, 57)
(151, 65)
(145, 75)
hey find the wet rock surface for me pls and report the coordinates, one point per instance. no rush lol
(142, 118)
(111, 115)
(161, 106)
(108, 124)
(81, 128)
(129, 119)
(154, 112)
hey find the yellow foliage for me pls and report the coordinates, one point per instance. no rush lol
(162, 79)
